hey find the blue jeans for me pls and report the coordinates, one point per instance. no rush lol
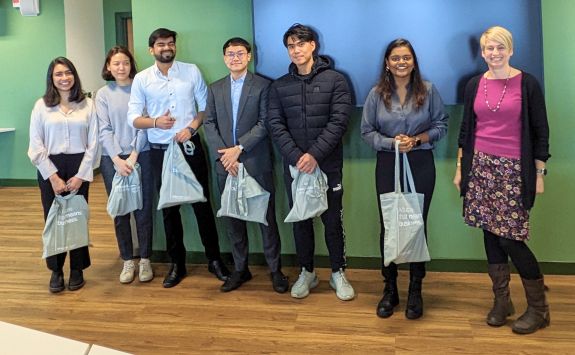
(143, 217)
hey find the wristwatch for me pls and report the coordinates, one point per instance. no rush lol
(193, 132)
(541, 171)
(241, 148)
(417, 141)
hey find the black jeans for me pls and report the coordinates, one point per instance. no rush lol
(143, 217)
(67, 165)
(499, 250)
(332, 221)
(203, 210)
(423, 169)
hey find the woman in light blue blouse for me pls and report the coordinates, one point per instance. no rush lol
(122, 147)
(403, 107)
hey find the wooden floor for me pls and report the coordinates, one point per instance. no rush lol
(196, 318)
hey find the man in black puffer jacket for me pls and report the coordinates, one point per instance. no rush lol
(308, 116)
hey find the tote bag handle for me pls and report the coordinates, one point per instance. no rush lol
(408, 183)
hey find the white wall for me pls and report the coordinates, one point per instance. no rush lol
(84, 21)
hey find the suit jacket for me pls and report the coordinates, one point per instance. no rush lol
(251, 131)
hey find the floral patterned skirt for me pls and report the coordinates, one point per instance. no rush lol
(493, 198)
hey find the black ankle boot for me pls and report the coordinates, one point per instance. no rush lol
(414, 308)
(389, 301)
(57, 282)
(76, 281)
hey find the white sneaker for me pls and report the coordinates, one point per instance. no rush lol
(128, 272)
(305, 282)
(342, 287)
(146, 273)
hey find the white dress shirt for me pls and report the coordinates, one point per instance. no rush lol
(180, 91)
(55, 132)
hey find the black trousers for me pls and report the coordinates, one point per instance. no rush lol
(238, 235)
(67, 165)
(499, 250)
(332, 221)
(203, 210)
(423, 169)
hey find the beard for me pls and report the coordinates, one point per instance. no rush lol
(166, 56)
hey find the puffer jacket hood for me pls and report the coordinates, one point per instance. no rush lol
(320, 63)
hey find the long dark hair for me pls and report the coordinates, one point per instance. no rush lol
(386, 85)
(52, 96)
(106, 74)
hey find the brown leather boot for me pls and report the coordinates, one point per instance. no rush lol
(537, 314)
(502, 306)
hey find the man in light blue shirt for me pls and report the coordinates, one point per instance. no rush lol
(236, 133)
(237, 85)
(168, 99)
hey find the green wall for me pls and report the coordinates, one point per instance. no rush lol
(202, 27)
(111, 7)
(27, 44)
(555, 211)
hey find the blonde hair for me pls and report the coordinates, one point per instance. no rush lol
(498, 34)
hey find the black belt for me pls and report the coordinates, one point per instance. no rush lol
(159, 146)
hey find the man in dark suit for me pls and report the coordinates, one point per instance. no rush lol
(236, 132)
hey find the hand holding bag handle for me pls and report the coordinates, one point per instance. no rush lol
(408, 182)
(243, 198)
(66, 226)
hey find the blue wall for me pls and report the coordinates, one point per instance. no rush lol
(444, 34)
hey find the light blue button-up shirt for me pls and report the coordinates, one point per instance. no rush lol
(180, 91)
(236, 93)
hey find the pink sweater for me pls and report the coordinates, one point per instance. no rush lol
(499, 133)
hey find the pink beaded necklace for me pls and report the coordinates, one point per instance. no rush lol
(502, 94)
